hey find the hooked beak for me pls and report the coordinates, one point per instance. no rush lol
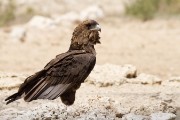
(96, 27)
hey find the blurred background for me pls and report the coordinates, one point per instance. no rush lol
(144, 33)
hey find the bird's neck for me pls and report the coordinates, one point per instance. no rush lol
(88, 48)
(84, 41)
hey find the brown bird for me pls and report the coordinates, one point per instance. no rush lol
(62, 76)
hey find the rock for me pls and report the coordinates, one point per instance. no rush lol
(10, 81)
(67, 18)
(41, 22)
(166, 97)
(94, 108)
(145, 79)
(132, 116)
(108, 75)
(18, 34)
(92, 12)
(149, 108)
(174, 81)
(129, 71)
(5, 114)
(163, 116)
(121, 110)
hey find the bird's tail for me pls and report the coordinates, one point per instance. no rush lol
(25, 87)
(12, 98)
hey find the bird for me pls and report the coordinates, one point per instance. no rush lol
(63, 75)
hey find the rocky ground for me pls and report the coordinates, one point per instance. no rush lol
(137, 72)
(120, 95)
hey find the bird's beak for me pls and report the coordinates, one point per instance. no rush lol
(96, 27)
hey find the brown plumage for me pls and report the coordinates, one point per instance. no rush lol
(62, 76)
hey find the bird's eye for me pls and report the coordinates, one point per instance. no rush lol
(89, 26)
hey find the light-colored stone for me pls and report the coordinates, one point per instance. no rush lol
(92, 12)
(174, 81)
(109, 74)
(149, 107)
(41, 22)
(11, 80)
(132, 116)
(18, 34)
(93, 109)
(163, 116)
(67, 18)
(145, 79)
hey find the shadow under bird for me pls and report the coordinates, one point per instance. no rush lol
(62, 76)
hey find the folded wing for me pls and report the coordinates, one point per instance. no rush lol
(59, 76)
(62, 76)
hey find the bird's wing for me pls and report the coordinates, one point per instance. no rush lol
(62, 56)
(61, 76)
(33, 79)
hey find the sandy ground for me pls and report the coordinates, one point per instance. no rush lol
(153, 47)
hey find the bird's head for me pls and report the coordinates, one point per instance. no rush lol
(86, 33)
(90, 25)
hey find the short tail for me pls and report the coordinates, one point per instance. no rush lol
(12, 98)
